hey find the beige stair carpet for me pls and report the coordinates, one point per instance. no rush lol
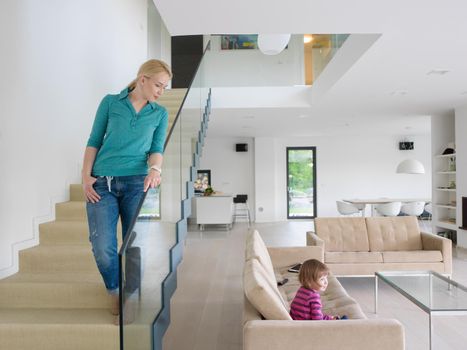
(57, 300)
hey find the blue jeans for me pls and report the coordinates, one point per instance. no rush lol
(120, 196)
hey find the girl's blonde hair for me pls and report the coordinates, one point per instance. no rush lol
(310, 271)
(150, 68)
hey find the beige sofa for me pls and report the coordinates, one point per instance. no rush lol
(267, 323)
(361, 246)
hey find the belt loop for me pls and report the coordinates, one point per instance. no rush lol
(109, 181)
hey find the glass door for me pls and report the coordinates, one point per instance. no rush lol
(301, 182)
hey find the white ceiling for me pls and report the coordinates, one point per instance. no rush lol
(416, 37)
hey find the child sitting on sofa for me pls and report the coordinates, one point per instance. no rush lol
(306, 305)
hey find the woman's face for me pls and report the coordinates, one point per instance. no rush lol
(154, 86)
(321, 284)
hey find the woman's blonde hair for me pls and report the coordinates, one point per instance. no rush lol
(150, 68)
(310, 271)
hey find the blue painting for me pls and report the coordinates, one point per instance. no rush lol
(239, 42)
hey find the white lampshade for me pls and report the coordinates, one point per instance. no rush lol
(272, 44)
(410, 166)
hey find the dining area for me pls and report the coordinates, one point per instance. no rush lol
(384, 206)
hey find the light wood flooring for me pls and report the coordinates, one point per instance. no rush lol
(206, 309)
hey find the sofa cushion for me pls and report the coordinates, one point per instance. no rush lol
(256, 249)
(343, 234)
(352, 257)
(419, 256)
(259, 292)
(393, 233)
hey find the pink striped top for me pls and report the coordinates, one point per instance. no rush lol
(307, 306)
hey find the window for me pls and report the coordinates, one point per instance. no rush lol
(301, 182)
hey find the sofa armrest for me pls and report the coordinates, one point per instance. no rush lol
(313, 239)
(434, 242)
(367, 334)
(286, 256)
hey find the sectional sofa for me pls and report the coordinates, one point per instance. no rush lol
(359, 246)
(268, 325)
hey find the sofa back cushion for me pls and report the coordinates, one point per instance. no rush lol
(263, 296)
(343, 234)
(256, 249)
(393, 233)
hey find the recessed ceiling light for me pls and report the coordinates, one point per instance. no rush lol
(438, 71)
(399, 93)
(303, 116)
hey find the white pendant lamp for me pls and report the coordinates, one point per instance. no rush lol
(272, 44)
(410, 166)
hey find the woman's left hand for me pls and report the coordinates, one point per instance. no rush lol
(152, 180)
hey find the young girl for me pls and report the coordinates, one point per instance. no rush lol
(306, 305)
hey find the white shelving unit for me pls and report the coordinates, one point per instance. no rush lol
(445, 186)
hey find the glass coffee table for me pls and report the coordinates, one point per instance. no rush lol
(434, 293)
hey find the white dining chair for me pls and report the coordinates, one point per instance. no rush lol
(429, 211)
(413, 208)
(389, 209)
(345, 208)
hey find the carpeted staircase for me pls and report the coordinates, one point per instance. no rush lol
(57, 300)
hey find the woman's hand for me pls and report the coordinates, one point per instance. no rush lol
(152, 180)
(89, 192)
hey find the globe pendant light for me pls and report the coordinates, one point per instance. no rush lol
(272, 44)
(410, 166)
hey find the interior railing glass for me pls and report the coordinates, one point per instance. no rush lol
(153, 247)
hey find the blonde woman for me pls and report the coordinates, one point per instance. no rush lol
(122, 160)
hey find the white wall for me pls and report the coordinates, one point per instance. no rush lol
(461, 169)
(253, 68)
(231, 172)
(159, 39)
(59, 58)
(347, 167)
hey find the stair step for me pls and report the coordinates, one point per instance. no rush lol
(64, 232)
(61, 290)
(60, 258)
(52, 329)
(72, 210)
(77, 193)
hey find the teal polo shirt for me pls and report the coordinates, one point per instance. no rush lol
(125, 139)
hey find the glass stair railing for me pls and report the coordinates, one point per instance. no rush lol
(150, 254)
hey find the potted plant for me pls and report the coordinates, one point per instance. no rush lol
(208, 191)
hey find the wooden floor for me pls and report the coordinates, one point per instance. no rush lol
(206, 309)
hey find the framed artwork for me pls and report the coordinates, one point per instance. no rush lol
(203, 181)
(239, 42)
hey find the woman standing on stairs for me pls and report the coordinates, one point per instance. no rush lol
(123, 159)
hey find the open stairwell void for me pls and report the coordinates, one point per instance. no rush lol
(57, 300)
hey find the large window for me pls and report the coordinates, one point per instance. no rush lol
(301, 182)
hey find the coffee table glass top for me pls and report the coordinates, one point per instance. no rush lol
(429, 290)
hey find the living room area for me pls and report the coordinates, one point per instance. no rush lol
(208, 311)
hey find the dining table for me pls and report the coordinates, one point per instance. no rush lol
(374, 201)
